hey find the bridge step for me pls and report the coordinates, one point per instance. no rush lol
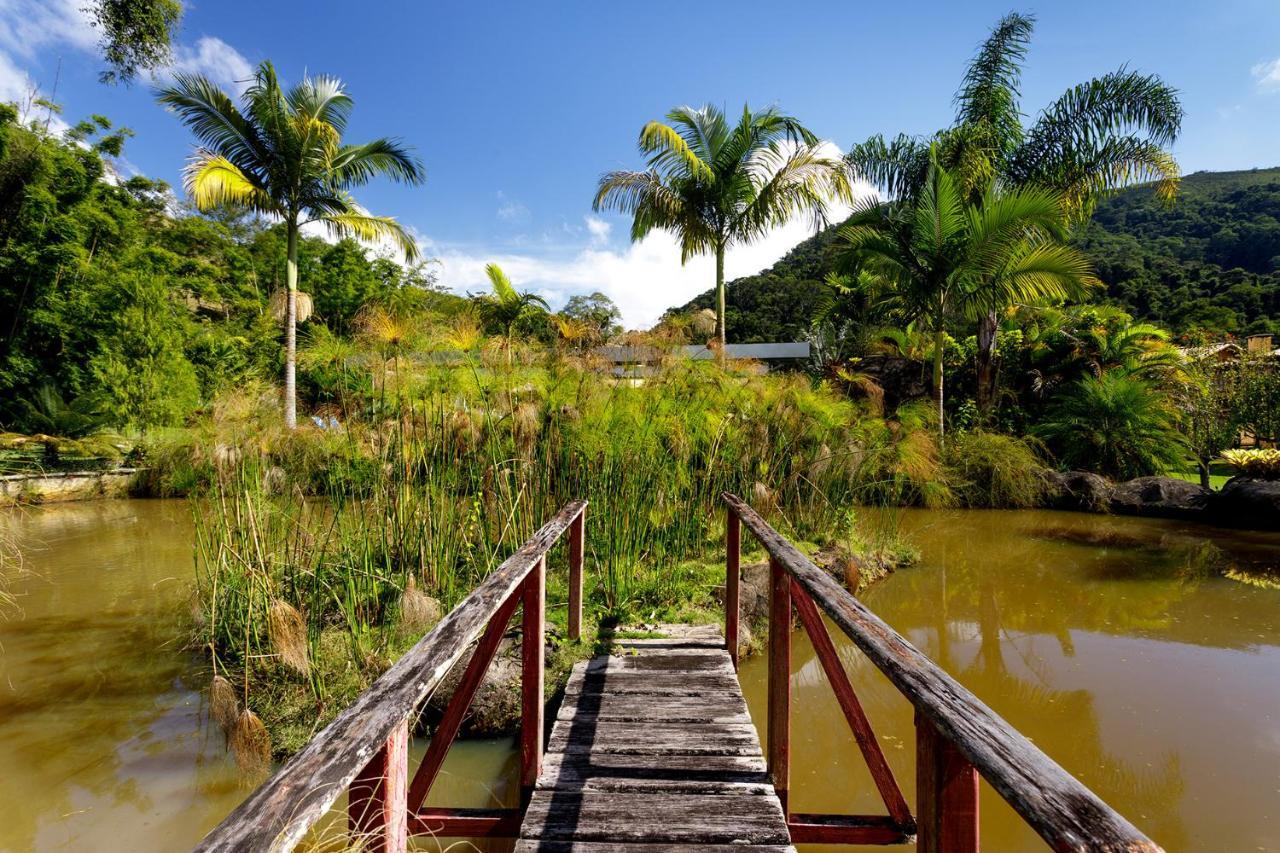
(653, 748)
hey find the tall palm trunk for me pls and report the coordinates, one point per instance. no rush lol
(291, 330)
(939, 341)
(985, 362)
(720, 316)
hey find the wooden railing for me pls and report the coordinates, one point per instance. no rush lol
(365, 750)
(958, 738)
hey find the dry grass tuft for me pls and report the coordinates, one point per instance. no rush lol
(418, 611)
(288, 632)
(252, 746)
(223, 707)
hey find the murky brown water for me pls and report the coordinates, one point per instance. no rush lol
(1159, 691)
(103, 736)
(1090, 634)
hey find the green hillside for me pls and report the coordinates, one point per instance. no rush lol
(1208, 263)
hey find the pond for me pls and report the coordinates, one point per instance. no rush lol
(1103, 639)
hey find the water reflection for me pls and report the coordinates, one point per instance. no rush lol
(1104, 640)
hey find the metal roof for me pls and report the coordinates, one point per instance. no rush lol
(760, 352)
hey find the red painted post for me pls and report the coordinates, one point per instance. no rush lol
(531, 678)
(576, 552)
(456, 710)
(946, 794)
(732, 577)
(780, 680)
(378, 800)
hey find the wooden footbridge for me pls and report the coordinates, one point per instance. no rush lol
(653, 748)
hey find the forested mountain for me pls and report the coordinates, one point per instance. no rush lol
(1207, 264)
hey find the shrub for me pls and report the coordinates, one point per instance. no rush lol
(1117, 424)
(1264, 464)
(988, 469)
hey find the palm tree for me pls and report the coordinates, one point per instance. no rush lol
(1108, 132)
(944, 256)
(505, 306)
(1117, 423)
(716, 185)
(281, 154)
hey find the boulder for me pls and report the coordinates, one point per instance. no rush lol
(1249, 502)
(1163, 497)
(1077, 490)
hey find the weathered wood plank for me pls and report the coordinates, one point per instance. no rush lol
(654, 818)
(665, 660)
(533, 845)
(1066, 814)
(655, 738)
(279, 813)
(728, 708)
(653, 749)
(690, 774)
(655, 683)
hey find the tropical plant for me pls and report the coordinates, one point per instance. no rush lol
(1256, 462)
(281, 154)
(715, 185)
(943, 256)
(1119, 424)
(1108, 132)
(46, 412)
(504, 307)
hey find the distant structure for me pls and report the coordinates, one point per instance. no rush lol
(1254, 345)
(636, 360)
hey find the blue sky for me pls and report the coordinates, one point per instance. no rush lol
(517, 108)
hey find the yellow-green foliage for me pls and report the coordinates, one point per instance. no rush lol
(1262, 463)
(433, 473)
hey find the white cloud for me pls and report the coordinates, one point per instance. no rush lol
(215, 59)
(1267, 75)
(511, 210)
(27, 26)
(644, 279)
(598, 229)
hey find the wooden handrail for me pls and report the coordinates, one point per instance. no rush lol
(956, 728)
(278, 814)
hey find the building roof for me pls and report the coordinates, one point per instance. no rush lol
(759, 352)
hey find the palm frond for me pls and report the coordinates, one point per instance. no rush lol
(213, 181)
(898, 166)
(991, 90)
(370, 229)
(670, 153)
(214, 120)
(356, 165)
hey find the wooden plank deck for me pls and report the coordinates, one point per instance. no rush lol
(653, 749)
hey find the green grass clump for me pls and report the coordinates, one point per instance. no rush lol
(988, 469)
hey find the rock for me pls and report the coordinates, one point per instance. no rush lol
(495, 711)
(1078, 490)
(1165, 497)
(1249, 502)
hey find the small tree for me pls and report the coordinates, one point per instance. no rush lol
(1259, 401)
(1210, 419)
(597, 311)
